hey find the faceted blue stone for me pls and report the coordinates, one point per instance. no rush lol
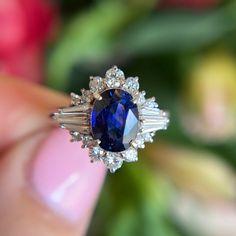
(115, 120)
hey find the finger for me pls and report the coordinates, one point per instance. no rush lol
(24, 109)
(48, 185)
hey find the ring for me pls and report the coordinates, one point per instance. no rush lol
(113, 118)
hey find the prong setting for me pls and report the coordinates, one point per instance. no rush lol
(97, 96)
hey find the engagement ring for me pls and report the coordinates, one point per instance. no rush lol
(113, 119)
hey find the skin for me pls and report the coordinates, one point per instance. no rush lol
(24, 125)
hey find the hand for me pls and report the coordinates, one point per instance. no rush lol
(48, 185)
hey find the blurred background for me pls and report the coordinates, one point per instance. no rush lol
(184, 52)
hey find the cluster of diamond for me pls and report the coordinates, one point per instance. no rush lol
(150, 118)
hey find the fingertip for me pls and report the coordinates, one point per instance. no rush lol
(64, 178)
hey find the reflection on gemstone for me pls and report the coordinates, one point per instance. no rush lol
(115, 120)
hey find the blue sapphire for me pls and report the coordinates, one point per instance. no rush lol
(115, 120)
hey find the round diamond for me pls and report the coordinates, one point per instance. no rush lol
(151, 103)
(132, 84)
(114, 72)
(114, 77)
(113, 83)
(148, 137)
(75, 99)
(139, 141)
(88, 141)
(141, 98)
(115, 120)
(96, 84)
(113, 161)
(96, 153)
(87, 95)
(130, 155)
(75, 136)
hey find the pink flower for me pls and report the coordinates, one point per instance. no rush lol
(25, 27)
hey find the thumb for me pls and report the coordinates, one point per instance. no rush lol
(48, 185)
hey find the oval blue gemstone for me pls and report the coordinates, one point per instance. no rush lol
(115, 120)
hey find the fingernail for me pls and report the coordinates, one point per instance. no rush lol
(64, 178)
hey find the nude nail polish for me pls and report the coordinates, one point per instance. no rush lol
(64, 178)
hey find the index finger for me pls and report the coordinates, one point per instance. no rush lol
(24, 109)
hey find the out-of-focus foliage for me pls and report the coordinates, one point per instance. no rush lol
(84, 41)
(184, 53)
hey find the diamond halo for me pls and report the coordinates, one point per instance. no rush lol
(77, 118)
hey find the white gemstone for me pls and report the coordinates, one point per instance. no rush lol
(130, 155)
(75, 136)
(113, 161)
(151, 103)
(141, 98)
(139, 141)
(148, 137)
(88, 141)
(96, 153)
(96, 84)
(87, 95)
(113, 83)
(115, 72)
(132, 84)
(75, 99)
(114, 77)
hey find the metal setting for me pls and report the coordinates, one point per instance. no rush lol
(77, 118)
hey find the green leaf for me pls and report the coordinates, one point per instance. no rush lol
(90, 37)
(135, 201)
(179, 31)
